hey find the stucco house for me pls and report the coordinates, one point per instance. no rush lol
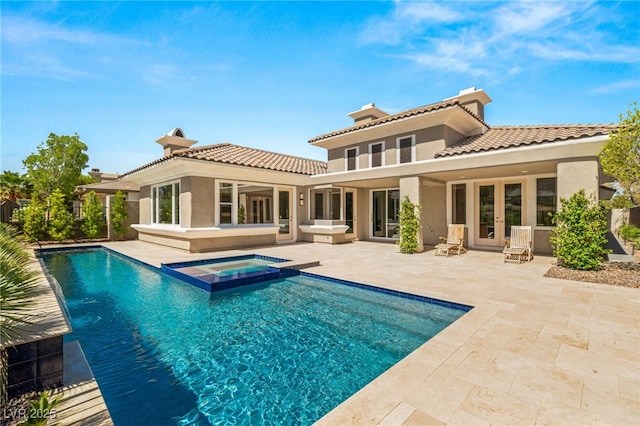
(443, 156)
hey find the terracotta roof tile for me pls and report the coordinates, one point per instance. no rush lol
(501, 137)
(401, 115)
(243, 156)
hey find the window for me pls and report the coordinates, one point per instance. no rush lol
(459, 203)
(242, 204)
(226, 203)
(325, 204)
(165, 204)
(406, 148)
(546, 195)
(351, 158)
(376, 154)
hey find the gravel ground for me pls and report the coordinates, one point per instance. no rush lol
(621, 274)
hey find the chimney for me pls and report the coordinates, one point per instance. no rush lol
(95, 173)
(174, 140)
(367, 113)
(473, 99)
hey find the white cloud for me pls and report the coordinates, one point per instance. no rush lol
(20, 31)
(498, 40)
(617, 87)
(529, 17)
(407, 19)
(33, 47)
(425, 12)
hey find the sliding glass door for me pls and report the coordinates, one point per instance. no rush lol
(385, 208)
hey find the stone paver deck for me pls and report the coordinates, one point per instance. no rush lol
(533, 350)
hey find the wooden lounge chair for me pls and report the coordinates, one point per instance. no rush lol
(518, 248)
(453, 242)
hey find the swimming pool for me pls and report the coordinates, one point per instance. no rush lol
(228, 272)
(282, 352)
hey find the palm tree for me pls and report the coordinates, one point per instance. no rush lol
(13, 185)
(18, 291)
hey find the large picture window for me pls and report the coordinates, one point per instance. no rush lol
(165, 204)
(245, 204)
(546, 195)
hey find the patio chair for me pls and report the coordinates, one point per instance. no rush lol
(453, 242)
(518, 247)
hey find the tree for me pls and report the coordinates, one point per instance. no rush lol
(409, 226)
(118, 215)
(60, 224)
(58, 164)
(13, 185)
(620, 156)
(580, 234)
(93, 215)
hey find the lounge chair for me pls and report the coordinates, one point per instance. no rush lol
(453, 242)
(518, 248)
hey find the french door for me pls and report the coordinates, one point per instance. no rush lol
(499, 206)
(285, 217)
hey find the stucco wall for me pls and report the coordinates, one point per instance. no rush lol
(145, 205)
(428, 142)
(198, 201)
(434, 213)
(576, 175)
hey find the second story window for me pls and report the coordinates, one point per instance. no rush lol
(376, 154)
(406, 148)
(351, 158)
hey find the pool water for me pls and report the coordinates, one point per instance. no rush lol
(226, 273)
(281, 352)
(228, 268)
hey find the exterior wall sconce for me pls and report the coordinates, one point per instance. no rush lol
(301, 198)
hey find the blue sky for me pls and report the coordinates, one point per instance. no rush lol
(271, 75)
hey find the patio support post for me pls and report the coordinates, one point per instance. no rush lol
(412, 188)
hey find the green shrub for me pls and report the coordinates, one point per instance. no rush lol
(630, 233)
(34, 220)
(580, 235)
(93, 215)
(118, 215)
(409, 226)
(60, 219)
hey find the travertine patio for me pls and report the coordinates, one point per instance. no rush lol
(533, 350)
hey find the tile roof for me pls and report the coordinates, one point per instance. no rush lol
(243, 156)
(399, 116)
(501, 137)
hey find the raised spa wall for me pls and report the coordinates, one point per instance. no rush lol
(35, 366)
